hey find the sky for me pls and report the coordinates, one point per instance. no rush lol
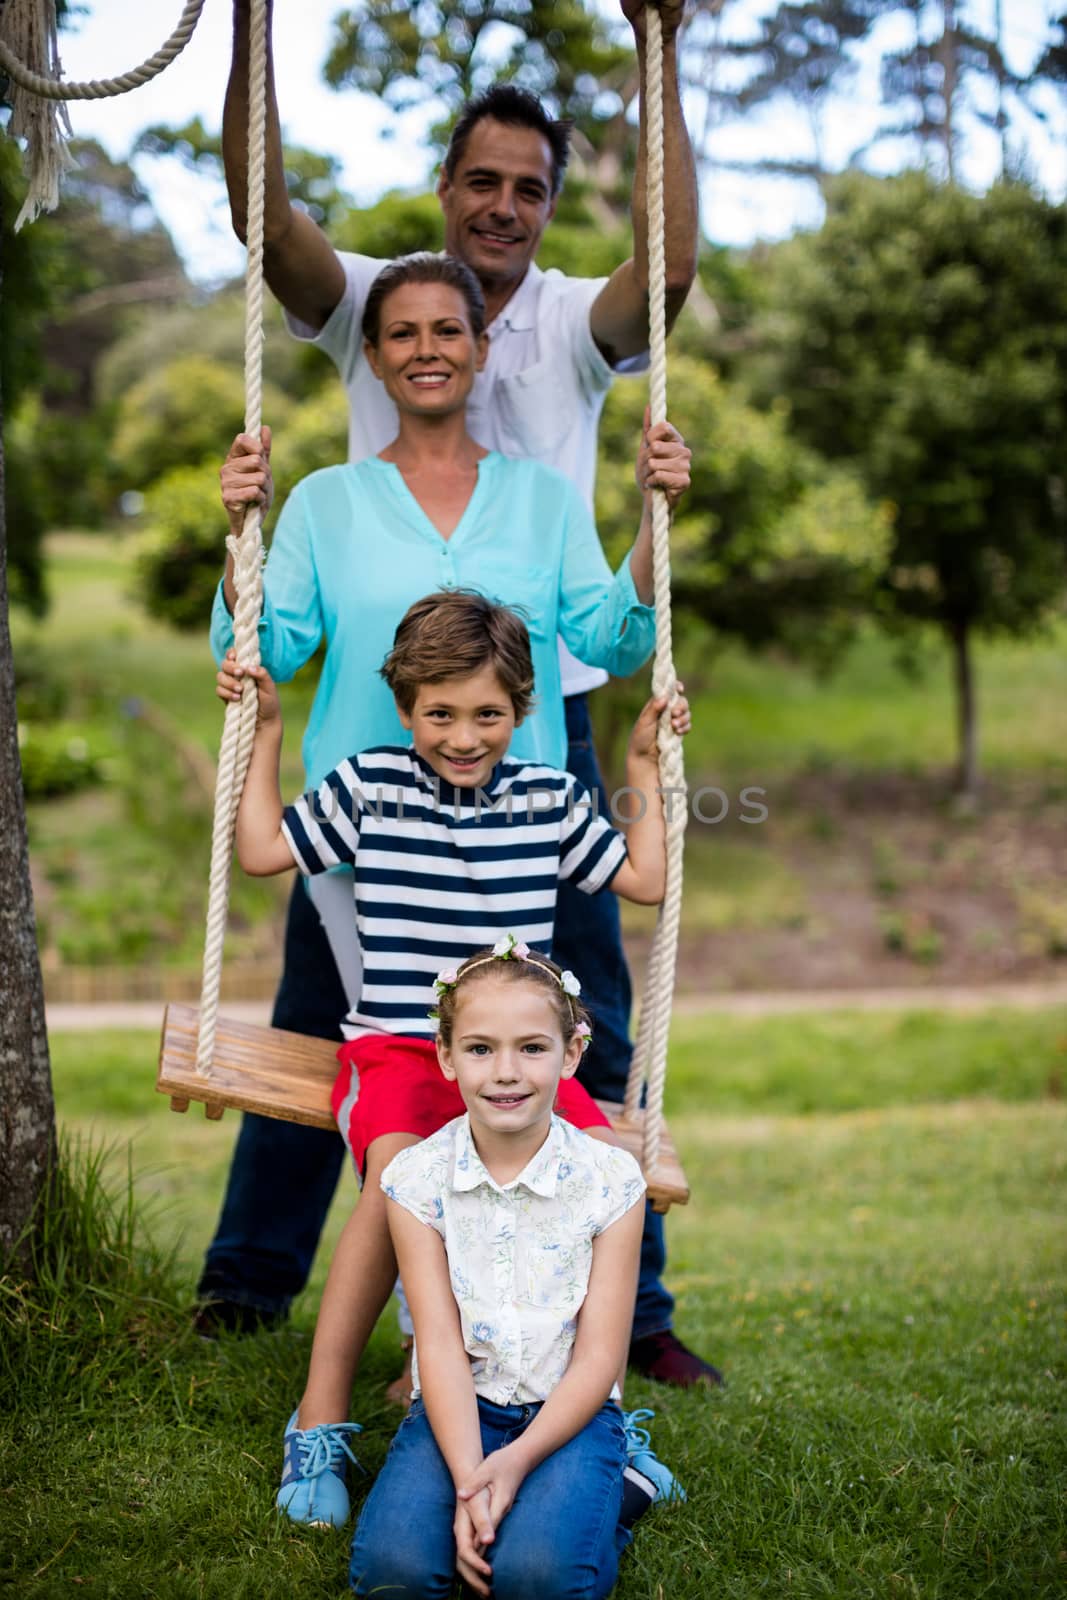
(380, 151)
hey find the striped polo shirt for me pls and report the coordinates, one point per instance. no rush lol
(441, 872)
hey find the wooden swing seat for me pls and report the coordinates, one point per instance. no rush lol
(289, 1076)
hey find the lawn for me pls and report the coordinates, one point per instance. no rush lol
(874, 1252)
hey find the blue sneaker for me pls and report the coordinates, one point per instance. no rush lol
(644, 1459)
(313, 1488)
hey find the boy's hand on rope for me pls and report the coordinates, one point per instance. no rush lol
(230, 677)
(643, 740)
(663, 460)
(671, 13)
(473, 1531)
(246, 478)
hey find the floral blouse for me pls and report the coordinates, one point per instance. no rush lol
(519, 1255)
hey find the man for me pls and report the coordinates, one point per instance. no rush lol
(555, 346)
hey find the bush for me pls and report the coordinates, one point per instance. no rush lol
(315, 436)
(185, 547)
(182, 560)
(183, 413)
(56, 760)
(42, 691)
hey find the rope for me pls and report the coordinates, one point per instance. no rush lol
(47, 87)
(29, 55)
(239, 727)
(648, 1069)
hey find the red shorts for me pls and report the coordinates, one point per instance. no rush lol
(391, 1083)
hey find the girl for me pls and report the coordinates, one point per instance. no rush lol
(518, 1237)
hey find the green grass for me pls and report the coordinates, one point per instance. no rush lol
(884, 1286)
(842, 1061)
(757, 717)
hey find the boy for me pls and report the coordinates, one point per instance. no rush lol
(453, 846)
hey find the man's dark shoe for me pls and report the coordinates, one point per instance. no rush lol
(212, 1317)
(663, 1356)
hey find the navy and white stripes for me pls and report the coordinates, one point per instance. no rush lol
(441, 872)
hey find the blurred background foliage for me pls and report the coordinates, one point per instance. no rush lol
(876, 406)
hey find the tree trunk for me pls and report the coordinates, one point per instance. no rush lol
(1002, 119)
(27, 1111)
(966, 714)
(948, 52)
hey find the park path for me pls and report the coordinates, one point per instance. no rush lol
(67, 1018)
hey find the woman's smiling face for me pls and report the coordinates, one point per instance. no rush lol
(427, 353)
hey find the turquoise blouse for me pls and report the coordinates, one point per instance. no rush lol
(353, 549)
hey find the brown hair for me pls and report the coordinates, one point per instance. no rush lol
(424, 266)
(454, 634)
(533, 968)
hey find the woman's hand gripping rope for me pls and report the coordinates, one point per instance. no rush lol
(246, 478)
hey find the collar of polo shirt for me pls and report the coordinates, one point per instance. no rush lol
(520, 313)
(539, 1175)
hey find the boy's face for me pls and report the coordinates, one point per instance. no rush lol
(462, 726)
(507, 1055)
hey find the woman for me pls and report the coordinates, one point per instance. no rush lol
(357, 544)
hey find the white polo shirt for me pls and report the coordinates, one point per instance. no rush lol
(539, 396)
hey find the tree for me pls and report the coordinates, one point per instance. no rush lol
(183, 553)
(75, 280)
(571, 55)
(950, 77)
(930, 79)
(1052, 66)
(310, 176)
(801, 52)
(452, 49)
(27, 1110)
(27, 259)
(770, 546)
(922, 335)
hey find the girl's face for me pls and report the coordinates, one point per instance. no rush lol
(507, 1054)
(427, 353)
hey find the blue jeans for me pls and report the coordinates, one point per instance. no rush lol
(283, 1175)
(559, 1541)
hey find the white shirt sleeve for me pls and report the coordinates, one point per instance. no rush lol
(341, 335)
(595, 374)
(623, 1185)
(415, 1179)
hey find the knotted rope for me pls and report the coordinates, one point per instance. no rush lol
(648, 1070)
(239, 727)
(29, 56)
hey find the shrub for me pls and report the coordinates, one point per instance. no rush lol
(185, 412)
(185, 546)
(56, 760)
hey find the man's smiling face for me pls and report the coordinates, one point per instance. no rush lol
(498, 201)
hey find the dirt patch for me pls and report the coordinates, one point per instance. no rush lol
(892, 884)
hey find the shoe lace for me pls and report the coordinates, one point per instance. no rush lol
(637, 1438)
(321, 1448)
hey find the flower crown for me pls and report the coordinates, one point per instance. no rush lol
(509, 948)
